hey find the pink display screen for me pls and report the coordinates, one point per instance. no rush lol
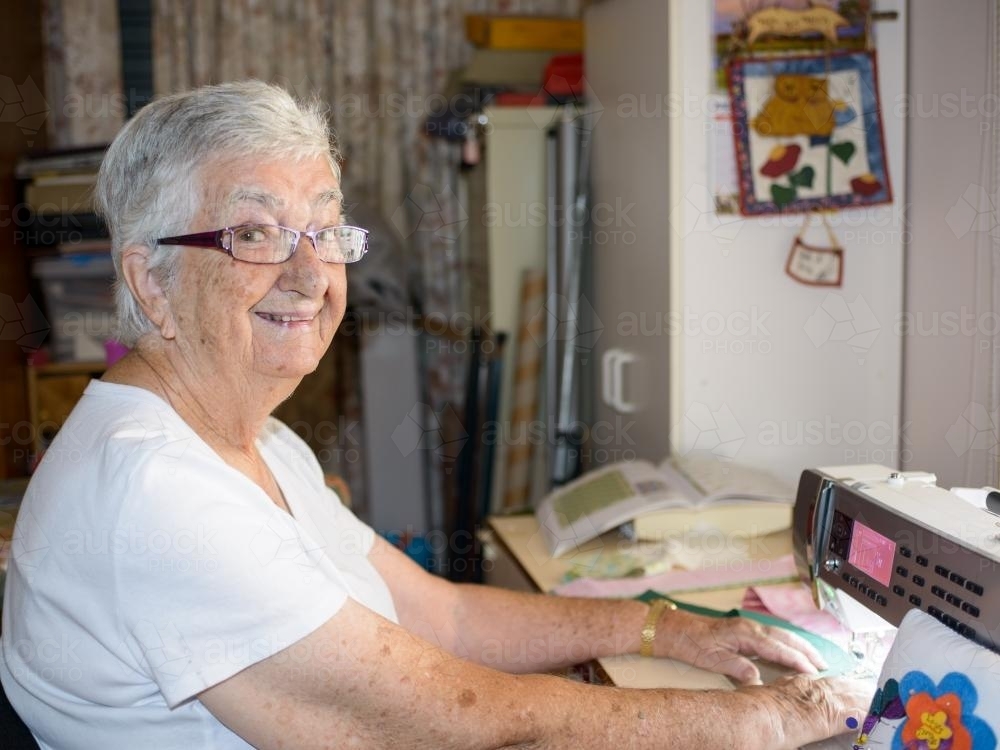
(872, 553)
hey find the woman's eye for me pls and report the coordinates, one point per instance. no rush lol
(251, 234)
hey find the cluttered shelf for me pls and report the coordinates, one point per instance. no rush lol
(68, 314)
(53, 390)
(48, 369)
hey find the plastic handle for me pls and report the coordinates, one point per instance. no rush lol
(613, 385)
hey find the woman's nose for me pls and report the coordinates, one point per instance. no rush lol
(303, 272)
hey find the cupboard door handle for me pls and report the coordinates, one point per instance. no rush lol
(613, 385)
(607, 376)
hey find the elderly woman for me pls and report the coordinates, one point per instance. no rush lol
(181, 576)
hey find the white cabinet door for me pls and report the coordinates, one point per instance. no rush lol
(626, 63)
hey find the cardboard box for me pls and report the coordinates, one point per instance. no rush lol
(525, 32)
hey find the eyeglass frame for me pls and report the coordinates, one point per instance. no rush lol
(215, 240)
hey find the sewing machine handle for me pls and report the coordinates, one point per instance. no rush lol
(993, 501)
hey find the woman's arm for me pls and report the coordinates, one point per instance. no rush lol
(522, 633)
(362, 681)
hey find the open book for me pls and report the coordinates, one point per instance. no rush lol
(680, 495)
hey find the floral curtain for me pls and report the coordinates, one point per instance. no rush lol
(383, 66)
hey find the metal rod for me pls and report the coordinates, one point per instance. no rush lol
(551, 292)
(567, 302)
(576, 219)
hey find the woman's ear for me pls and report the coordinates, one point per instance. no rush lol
(147, 289)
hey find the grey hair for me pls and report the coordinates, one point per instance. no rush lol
(150, 182)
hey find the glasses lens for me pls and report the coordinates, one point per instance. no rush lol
(341, 244)
(262, 243)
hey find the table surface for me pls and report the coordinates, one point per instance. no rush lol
(521, 537)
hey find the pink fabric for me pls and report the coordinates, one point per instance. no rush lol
(113, 351)
(726, 575)
(793, 602)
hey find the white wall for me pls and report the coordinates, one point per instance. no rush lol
(799, 391)
(946, 372)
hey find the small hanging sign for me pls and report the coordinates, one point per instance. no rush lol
(816, 266)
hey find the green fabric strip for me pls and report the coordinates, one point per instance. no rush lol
(838, 660)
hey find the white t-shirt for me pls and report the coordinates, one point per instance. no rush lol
(144, 569)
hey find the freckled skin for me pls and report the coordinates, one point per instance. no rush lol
(216, 299)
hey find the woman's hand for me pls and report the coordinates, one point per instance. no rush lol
(805, 710)
(727, 645)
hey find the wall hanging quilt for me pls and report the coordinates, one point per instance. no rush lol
(808, 133)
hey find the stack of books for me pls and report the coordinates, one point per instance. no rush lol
(68, 249)
(57, 212)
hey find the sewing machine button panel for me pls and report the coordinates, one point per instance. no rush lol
(975, 588)
(893, 578)
(967, 631)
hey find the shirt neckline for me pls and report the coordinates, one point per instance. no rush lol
(276, 467)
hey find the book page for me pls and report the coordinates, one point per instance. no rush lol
(602, 500)
(714, 480)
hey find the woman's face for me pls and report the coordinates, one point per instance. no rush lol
(228, 314)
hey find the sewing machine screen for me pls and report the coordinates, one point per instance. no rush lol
(872, 553)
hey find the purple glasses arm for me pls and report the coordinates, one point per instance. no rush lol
(202, 239)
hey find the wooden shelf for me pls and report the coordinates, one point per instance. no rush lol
(68, 368)
(53, 390)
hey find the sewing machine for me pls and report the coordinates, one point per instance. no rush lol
(895, 541)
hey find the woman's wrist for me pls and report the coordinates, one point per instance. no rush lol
(760, 718)
(803, 709)
(653, 625)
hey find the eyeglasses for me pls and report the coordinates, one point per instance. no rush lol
(270, 243)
